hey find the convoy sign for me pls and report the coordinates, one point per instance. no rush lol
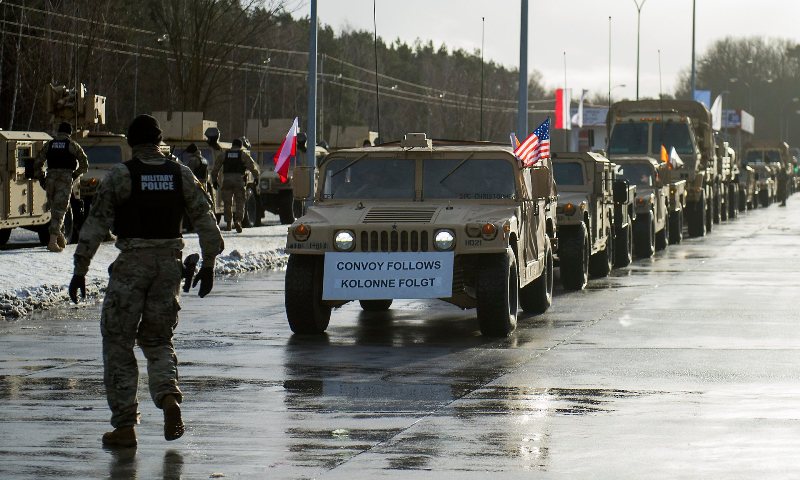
(384, 276)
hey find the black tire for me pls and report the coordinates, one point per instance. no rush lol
(644, 241)
(286, 207)
(662, 237)
(696, 212)
(5, 234)
(723, 204)
(733, 201)
(623, 250)
(710, 216)
(675, 227)
(375, 305)
(763, 198)
(537, 296)
(498, 294)
(303, 295)
(573, 255)
(602, 262)
(742, 200)
(252, 208)
(717, 207)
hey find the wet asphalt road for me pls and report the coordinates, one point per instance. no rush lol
(683, 366)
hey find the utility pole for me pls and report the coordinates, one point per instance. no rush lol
(638, 31)
(694, 71)
(311, 122)
(483, 37)
(522, 105)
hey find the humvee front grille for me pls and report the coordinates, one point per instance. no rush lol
(394, 241)
(400, 215)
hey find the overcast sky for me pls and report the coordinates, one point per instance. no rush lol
(578, 27)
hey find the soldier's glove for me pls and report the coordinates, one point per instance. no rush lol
(215, 185)
(189, 268)
(42, 181)
(78, 282)
(206, 279)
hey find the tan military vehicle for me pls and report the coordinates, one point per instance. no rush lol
(624, 218)
(23, 202)
(585, 217)
(461, 222)
(659, 203)
(104, 150)
(767, 158)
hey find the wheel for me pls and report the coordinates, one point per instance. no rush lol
(375, 305)
(537, 296)
(662, 237)
(733, 202)
(723, 204)
(286, 207)
(763, 197)
(5, 234)
(252, 208)
(644, 235)
(623, 250)
(573, 256)
(675, 227)
(696, 213)
(709, 216)
(601, 263)
(497, 294)
(717, 207)
(303, 294)
(742, 200)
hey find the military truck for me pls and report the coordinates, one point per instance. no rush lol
(457, 221)
(585, 217)
(643, 127)
(23, 202)
(624, 218)
(768, 157)
(727, 173)
(104, 150)
(659, 203)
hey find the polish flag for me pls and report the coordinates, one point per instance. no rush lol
(288, 149)
(563, 118)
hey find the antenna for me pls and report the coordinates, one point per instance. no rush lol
(377, 93)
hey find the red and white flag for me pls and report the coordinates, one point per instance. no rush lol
(563, 118)
(536, 147)
(288, 149)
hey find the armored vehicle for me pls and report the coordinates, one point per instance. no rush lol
(104, 150)
(659, 204)
(768, 159)
(585, 216)
(646, 127)
(461, 222)
(23, 202)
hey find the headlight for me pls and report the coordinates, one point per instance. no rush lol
(569, 209)
(301, 232)
(444, 240)
(344, 240)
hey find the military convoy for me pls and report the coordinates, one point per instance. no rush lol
(461, 222)
(585, 217)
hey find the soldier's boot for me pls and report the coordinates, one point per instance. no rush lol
(238, 227)
(120, 437)
(62, 242)
(173, 424)
(53, 245)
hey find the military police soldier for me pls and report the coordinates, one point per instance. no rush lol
(143, 201)
(234, 163)
(66, 161)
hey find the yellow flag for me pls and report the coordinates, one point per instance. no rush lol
(664, 154)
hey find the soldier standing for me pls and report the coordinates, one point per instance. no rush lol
(233, 163)
(66, 161)
(197, 164)
(143, 201)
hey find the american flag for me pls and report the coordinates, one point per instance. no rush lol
(536, 147)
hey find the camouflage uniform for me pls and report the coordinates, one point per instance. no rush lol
(58, 184)
(198, 165)
(141, 302)
(233, 185)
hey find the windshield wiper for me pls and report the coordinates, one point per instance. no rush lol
(358, 159)
(462, 162)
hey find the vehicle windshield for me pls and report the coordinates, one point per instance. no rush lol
(103, 154)
(639, 174)
(365, 178)
(570, 173)
(475, 179)
(628, 138)
(756, 157)
(773, 156)
(674, 135)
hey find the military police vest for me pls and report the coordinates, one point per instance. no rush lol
(59, 157)
(156, 206)
(233, 162)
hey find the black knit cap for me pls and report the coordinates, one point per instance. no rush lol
(144, 129)
(191, 148)
(65, 127)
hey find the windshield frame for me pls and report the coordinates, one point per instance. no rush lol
(572, 188)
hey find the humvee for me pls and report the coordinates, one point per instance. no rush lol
(460, 222)
(659, 203)
(23, 202)
(585, 216)
(104, 150)
(767, 158)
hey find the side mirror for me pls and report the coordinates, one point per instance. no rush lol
(301, 182)
(621, 191)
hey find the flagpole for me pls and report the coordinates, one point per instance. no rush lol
(483, 38)
(565, 108)
(522, 105)
(311, 122)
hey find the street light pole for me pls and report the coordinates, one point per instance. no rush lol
(694, 70)
(638, 31)
(522, 105)
(311, 123)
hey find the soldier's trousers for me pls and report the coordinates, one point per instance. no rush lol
(141, 305)
(233, 189)
(58, 187)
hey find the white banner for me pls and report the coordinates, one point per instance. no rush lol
(384, 276)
